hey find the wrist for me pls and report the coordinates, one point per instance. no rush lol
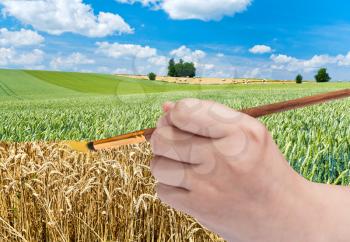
(332, 205)
(302, 215)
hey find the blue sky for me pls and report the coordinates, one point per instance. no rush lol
(225, 38)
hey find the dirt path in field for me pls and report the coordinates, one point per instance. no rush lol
(50, 193)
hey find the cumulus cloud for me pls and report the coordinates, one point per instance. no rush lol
(343, 60)
(283, 59)
(117, 50)
(73, 60)
(260, 49)
(196, 9)
(10, 56)
(187, 54)
(132, 58)
(143, 2)
(60, 16)
(158, 60)
(204, 10)
(22, 37)
(253, 73)
(289, 63)
(122, 71)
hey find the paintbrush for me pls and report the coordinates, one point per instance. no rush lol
(256, 112)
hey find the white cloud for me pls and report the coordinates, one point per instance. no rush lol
(123, 71)
(143, 2)
(72, 60)
(6, 56)
(344, 60)
(283, 59)
(117, 50)
(20, 38)
(132, 58)
(187, 54)
(319, 61)
(206, 67)
(293, 64)
(196, 9)
(284, 62)
(10, 56)
(260, 49)
(204, 10)
(253, 73)
(159, 60)
(60, 16)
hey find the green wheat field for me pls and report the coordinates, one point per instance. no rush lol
(39, 109)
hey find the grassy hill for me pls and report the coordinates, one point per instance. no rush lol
(21, 84)
(104, 84)
(17, 84)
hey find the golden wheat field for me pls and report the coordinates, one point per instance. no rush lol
(49, 193)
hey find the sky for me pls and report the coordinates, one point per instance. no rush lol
(271, 39)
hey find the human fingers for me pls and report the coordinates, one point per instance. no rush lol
(171, 172)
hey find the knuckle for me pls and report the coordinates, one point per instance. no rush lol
(182, 105)
(154, 165)
(180, 113)
(161, 134)
(161, 193)
(187, 102)
(257, 132)
(156, 142)
(162, 122)
(186, 105)
(184, 111)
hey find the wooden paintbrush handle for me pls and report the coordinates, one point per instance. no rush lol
(296, 103)
(254, 112)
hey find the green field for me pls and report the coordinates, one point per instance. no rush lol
(53, 106)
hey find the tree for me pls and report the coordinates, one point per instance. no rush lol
(179, 72)
(189, 69)
(181, 69)
(171, 68)
(322, 75)
(152, 76)
(299, 79)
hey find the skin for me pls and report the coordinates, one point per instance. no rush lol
(223, 168)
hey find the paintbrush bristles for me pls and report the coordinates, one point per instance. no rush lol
(118, 143)
(78, 146)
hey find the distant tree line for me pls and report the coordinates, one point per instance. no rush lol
(321, 76)
(181, 69)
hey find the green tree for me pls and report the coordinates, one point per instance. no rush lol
(299, 79)
(189, 69)
(322, 75)
(171, 68)
(179, 69)
(152, 76)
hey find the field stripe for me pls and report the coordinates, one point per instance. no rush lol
(4, 89)
(8, 91)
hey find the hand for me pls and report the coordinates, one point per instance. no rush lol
(223, 168)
